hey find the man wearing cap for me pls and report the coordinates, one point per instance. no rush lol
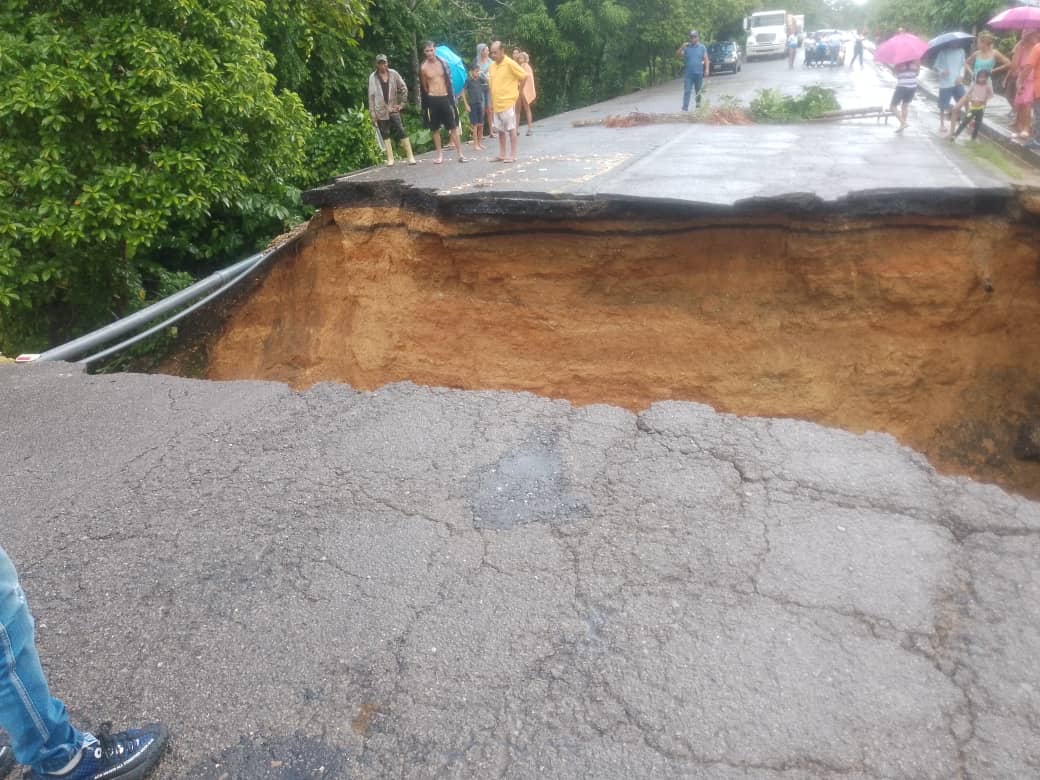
(697, 65)
(387, 93)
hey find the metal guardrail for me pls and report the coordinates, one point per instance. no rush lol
(197, 295)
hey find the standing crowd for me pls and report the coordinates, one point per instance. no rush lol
(499, 91)
(966, 85)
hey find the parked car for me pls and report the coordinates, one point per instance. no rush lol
(725, 55)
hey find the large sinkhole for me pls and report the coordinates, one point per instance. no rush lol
(925, 327)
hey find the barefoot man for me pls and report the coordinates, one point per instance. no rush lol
(507, 77)
(438, 102)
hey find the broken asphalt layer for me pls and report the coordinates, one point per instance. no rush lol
(421, 582)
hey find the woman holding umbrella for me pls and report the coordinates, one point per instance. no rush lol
(1033, 61)
(1026, 96)
(906, 88)
(903, 53)
(1011, 79)
(1024, 83)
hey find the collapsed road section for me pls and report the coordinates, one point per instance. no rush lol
(913, 312)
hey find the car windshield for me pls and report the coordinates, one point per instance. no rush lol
(723, 47)
(778, 19)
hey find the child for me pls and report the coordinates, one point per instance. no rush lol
(473, 98)
(976, 98)
(906, 88)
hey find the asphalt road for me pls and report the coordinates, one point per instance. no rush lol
(712, 163)
(420, 582)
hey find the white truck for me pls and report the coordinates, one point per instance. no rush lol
(767, 32)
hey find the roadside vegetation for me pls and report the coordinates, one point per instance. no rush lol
(146, 144)
(771, 106)
(993, 156)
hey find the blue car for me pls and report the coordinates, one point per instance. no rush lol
(725, 56)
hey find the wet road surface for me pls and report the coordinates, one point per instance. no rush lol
(717, 164)
(421, 582)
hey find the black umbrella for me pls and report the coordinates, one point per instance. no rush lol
(947, 39)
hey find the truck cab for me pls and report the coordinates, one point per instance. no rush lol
(766, 34)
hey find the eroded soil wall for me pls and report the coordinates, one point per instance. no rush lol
(927, 328)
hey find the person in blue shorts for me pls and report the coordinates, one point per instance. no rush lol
(696, 66)
(41, 736)
(906, 87)
(473, 98)
(438, 102)
(949, 68)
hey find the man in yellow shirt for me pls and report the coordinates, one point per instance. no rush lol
(506, 80)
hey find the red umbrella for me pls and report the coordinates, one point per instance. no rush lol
(900, 48)
(1024, 17)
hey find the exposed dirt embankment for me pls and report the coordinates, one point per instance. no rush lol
(925, 327)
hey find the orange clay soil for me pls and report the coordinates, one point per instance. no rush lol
(925, 328)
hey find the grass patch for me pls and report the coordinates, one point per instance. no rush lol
(990, 154)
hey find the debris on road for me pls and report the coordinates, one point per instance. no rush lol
(712, 116)
(870, 112)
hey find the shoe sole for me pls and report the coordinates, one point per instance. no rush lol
(157, 751)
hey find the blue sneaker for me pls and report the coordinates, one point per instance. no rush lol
(129, 755)
(6, 760)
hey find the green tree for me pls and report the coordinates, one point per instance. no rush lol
(317, 52)
(136, 137)
(530, 25)
(591, 31)
(931, 17)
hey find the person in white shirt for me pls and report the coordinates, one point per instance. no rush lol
(949, 66)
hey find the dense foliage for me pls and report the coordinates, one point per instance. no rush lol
(137, 137)
(770, 105)
(930, 17)
(144, 144)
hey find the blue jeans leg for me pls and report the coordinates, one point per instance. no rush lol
(41, 735)
(692, 84)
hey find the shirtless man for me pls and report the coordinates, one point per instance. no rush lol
(438, 102)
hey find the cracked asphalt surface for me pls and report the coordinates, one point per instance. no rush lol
(421, 582)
